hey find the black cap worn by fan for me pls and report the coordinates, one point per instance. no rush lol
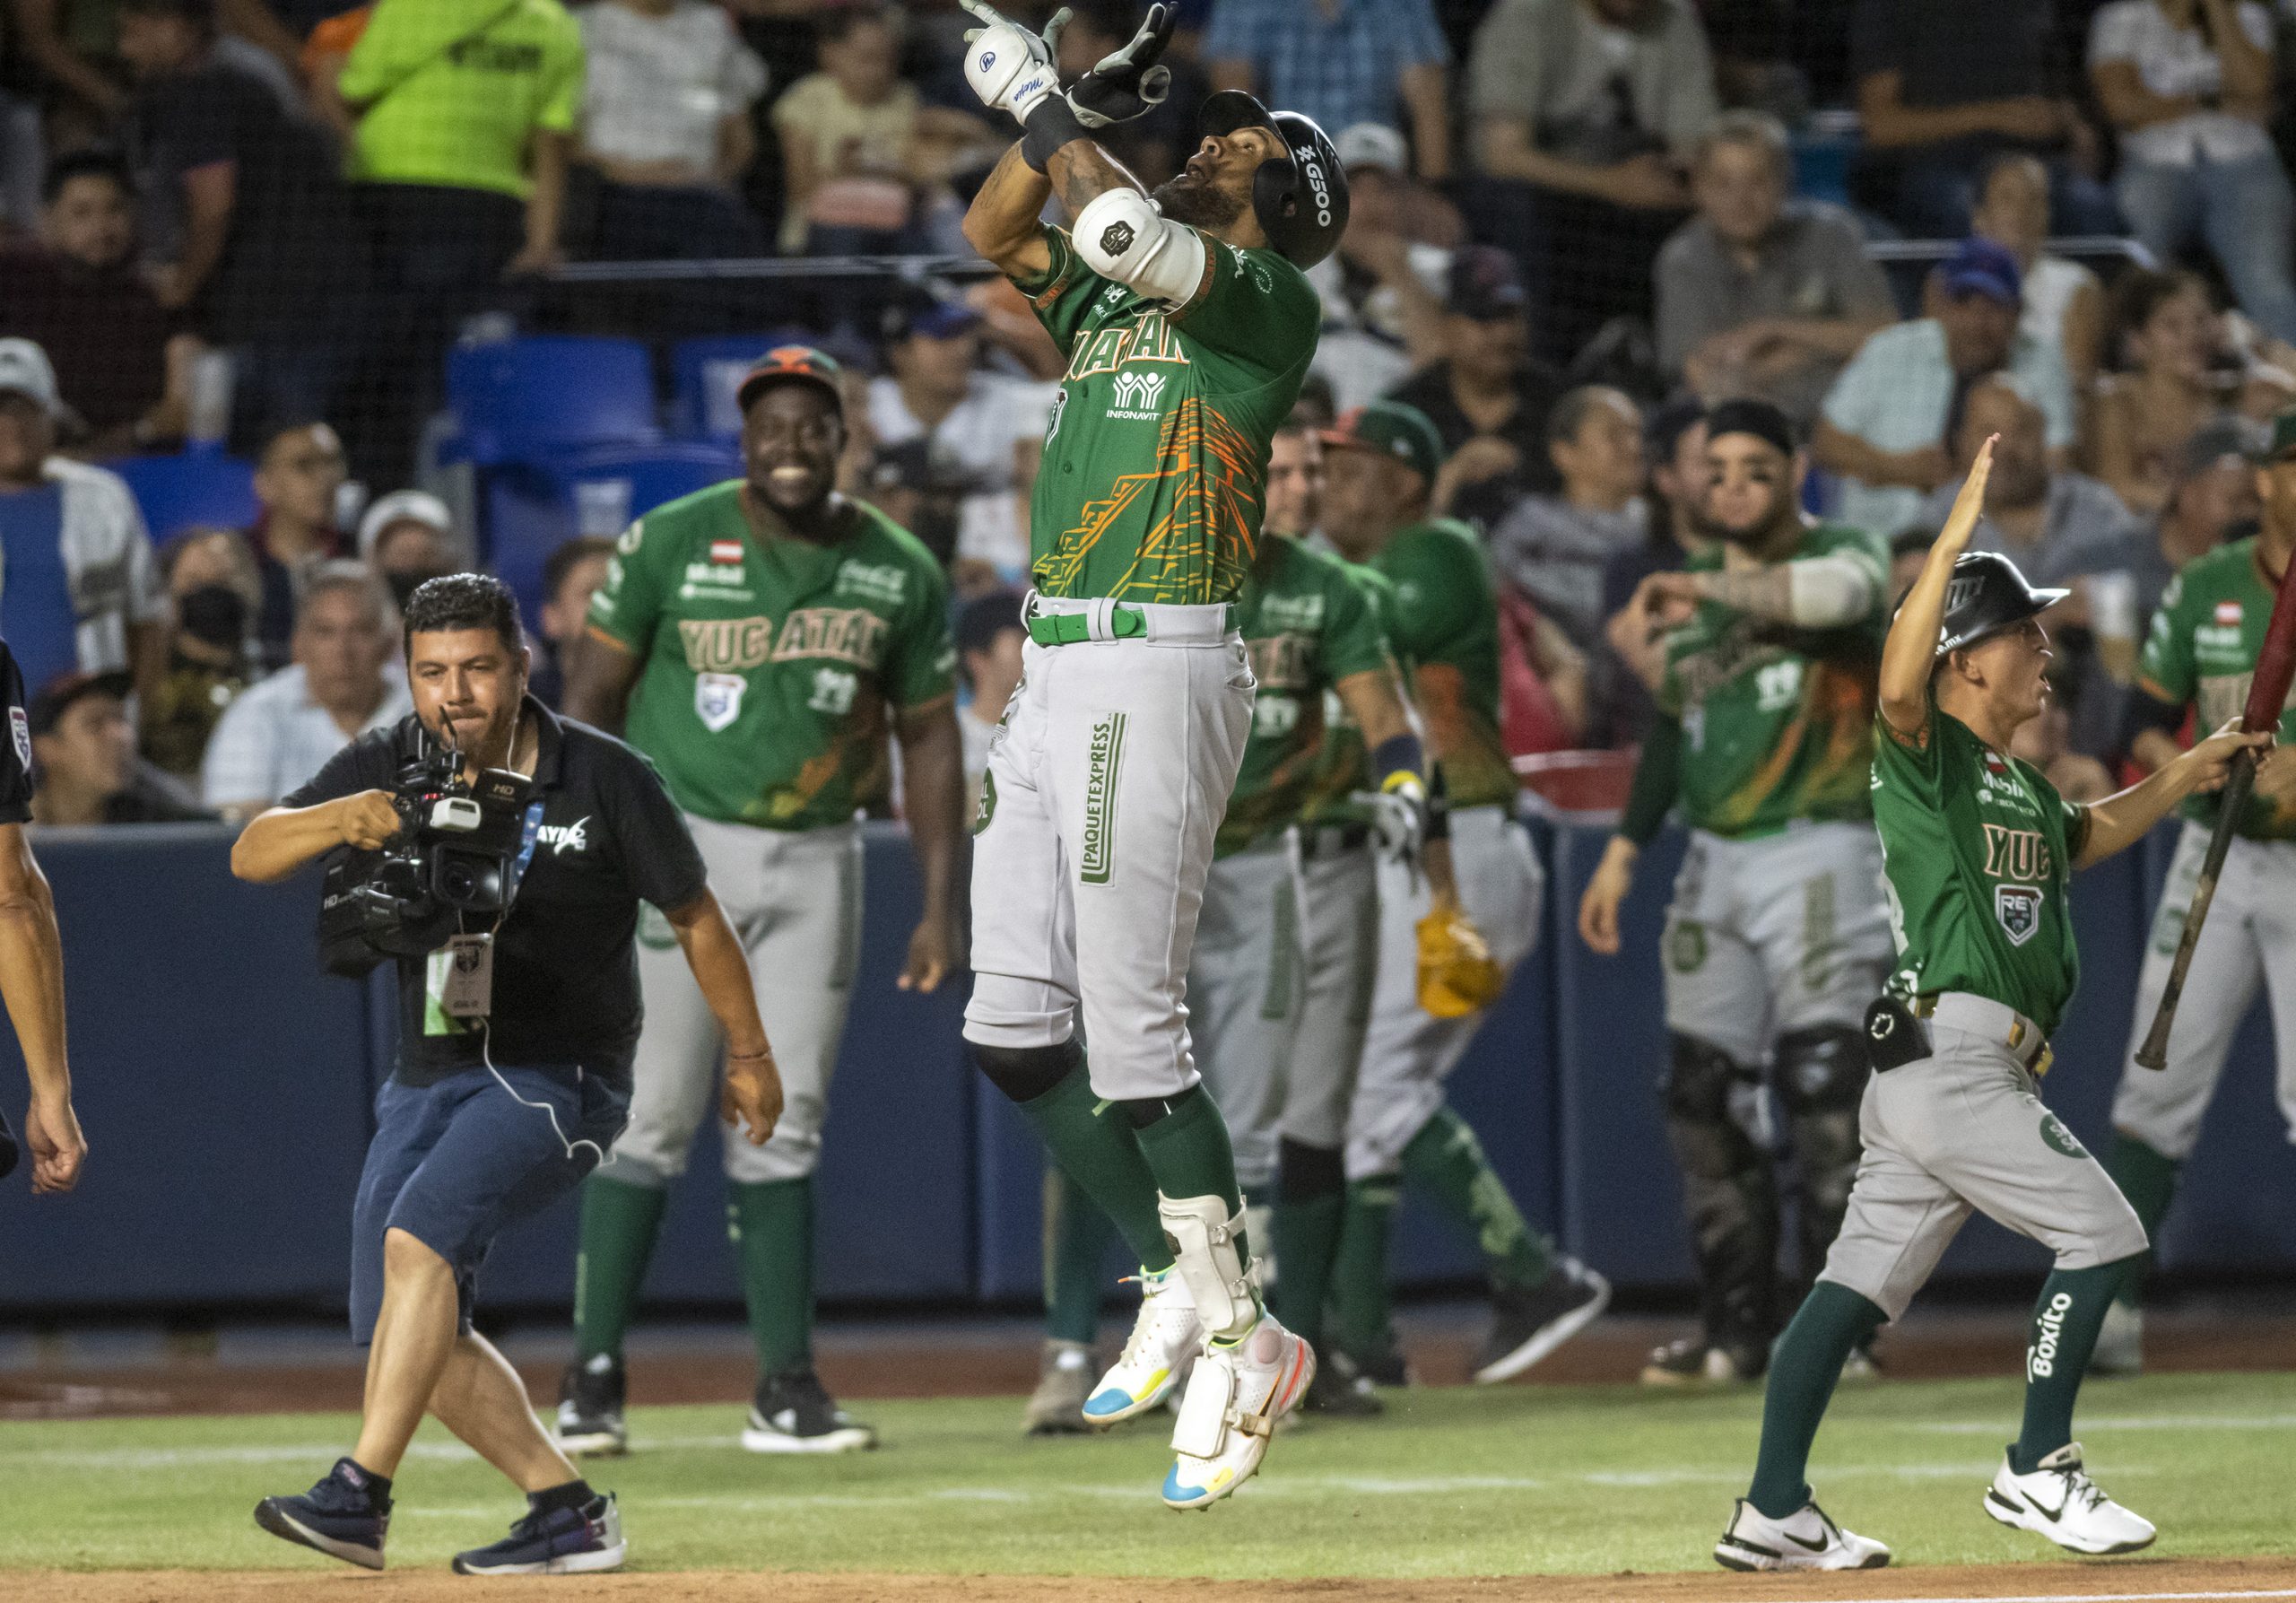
(1746, 415)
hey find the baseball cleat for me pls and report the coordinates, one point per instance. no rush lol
(2059, 1501)
(589, 1408)
(1804, 1539)
(562, 1541)
(2120, 1342)
(339, 1517)
(1064, 1380)
(1234, 1399)
(1859, 1368)
(794, 1413)
(1528, 1322)
(1384, 1367)
(1148, 1368)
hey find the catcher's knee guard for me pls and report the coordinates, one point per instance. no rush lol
(1727, 1187)
(1026, 1072)
(1822, 1076)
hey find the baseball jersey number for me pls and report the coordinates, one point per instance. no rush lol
(833, 691)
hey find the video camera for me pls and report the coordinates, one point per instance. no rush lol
(455, 854)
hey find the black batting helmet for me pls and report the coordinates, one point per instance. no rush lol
(1300, 198)
(1986, 596)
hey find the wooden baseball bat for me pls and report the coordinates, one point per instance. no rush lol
(2267, 695)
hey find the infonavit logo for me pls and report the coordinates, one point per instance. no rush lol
(1136, 395)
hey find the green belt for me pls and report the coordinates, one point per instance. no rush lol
(1125, 622)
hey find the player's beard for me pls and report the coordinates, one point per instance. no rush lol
(1197, 204)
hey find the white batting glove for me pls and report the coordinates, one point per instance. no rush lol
(1010, 68)
(1398, 820)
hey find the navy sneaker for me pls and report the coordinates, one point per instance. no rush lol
(341, 1517)
(559, 1541)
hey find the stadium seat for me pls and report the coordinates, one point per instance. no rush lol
(195, 489)
(704, 374)
(528, 509)
(541, 396)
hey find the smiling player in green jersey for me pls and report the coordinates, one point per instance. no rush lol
(2201, 654)
(1979, 850)
(1775, 941)
(1187, 323)
(759, 641)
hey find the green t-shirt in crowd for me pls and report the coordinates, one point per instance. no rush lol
(452, 98)
(767, 661)
(1307, 626)
(2203, 650)
(1444, 625)
(1154, 472)
(1976, 852)
(1778, 721)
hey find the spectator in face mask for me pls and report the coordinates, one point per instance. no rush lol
(213, 597)
(407, 537)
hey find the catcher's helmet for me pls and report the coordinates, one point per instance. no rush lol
(1300, 198)
(1986, 596)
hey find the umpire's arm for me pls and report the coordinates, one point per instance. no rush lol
(32, 982)
(932, 765)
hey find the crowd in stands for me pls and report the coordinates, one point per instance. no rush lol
(263, 225)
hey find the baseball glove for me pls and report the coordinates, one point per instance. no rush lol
(1456, 975)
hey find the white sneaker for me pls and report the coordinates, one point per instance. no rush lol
(2059, 1501)
(1148, 1369)
(1804, 1539)
(2120, 1341)
(1235, 1396)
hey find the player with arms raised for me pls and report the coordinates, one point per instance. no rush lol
(1189, 325)
(1979, 850)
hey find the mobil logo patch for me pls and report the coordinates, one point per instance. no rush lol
(2228, 615)
(726, 553)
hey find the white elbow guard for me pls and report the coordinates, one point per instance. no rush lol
(1121, 235)
(1828, 592)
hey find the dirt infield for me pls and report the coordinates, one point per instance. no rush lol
(1956, 1345)
(2132, 1579)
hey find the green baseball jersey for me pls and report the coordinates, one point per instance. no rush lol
(767, 661)
(1977, 850)
(1343, 766)
(1308, 626)
(2203, 649)
(1445, 627)
(1155, 472)
(1778, 721)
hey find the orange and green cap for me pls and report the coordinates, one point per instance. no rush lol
(1399, 430)
(801, 364)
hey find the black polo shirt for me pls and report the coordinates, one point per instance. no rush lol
(565, 966)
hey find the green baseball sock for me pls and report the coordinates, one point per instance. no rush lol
(1094, 1146)
(2071, 1306)
(1188, 1152)
(2149, 1180)
(1447, 1160)
(1803, 1372)
(1360, 1306)
(772, 1224)
(619, 1225)
(1077, 1236)
(1309, 1212)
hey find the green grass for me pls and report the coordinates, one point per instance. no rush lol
(1452, 1482)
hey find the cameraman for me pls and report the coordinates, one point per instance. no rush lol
(513, 1075)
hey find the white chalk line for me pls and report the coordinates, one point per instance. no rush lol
(2068, 1597)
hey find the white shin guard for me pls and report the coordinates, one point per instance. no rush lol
(1203, 1236)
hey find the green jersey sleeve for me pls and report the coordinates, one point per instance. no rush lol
(1251, 303)
(1437, 592)
(922, 666)
(1913, 764)
(1858, 546)
(628, 605)
(1353, 641)
(1062, 295)
(2167, 666)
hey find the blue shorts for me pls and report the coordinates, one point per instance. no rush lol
(453, 1163)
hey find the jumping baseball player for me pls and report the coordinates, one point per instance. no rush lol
(1443, 621)
(1189, 325)
(1775, 941)
(761, 636)
(1320, 658)
(1979, 850)
(2200, 654)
